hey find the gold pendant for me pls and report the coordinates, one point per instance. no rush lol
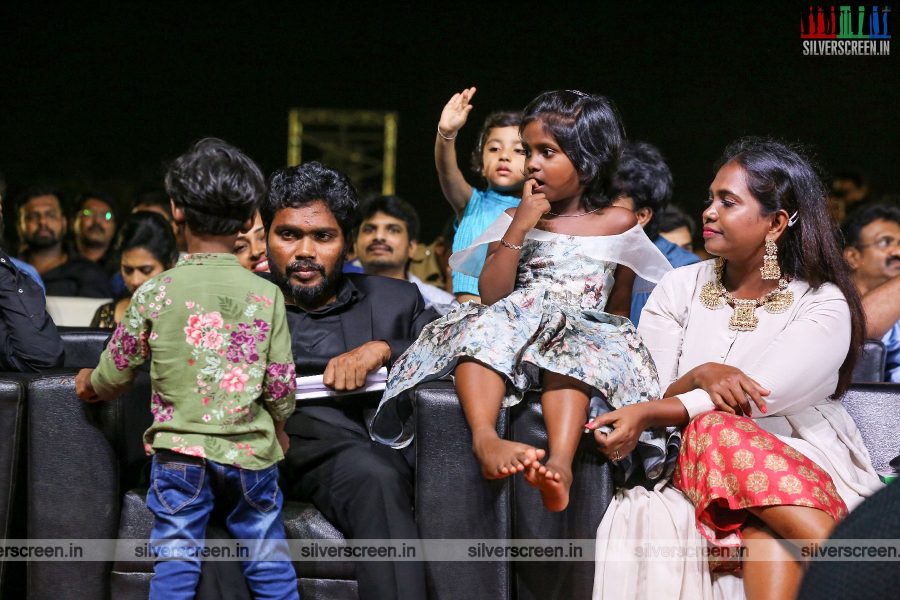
(744, 317)
(779, 302)
(711, 295)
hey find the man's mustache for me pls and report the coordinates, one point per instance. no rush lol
(374, 245)
(96, 227)
(304, 265)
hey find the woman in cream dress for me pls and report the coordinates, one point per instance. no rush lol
(780, 458)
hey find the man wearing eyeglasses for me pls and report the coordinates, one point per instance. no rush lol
(42, 227)
(872, 250)
(94, 228)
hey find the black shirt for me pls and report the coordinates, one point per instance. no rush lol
(78, 276)
(28, 338)
(317, 335)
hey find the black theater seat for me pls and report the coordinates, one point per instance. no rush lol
(12, 418)
(83, 346)
(870, 365)
(875, 407)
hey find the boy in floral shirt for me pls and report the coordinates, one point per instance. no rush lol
(222, 377)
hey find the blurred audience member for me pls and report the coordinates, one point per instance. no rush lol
(94, 228)
(42, 228)
(872, 249)
(28, 338)
(643, 184)
(158, 201)
(677, 227)
(848, 190)
(250, 247)
(386, 234)
(147, 247)
(431, 263)
(23, 266)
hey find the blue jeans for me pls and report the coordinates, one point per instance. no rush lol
(183, 491)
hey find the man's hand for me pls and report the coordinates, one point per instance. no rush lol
(348, 371)
(83, 387)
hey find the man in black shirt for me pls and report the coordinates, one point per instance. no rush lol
(42, 229)
(28, 338)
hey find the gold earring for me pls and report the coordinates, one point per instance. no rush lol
(770, 268)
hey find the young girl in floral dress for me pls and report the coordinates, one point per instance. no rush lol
(556, 288)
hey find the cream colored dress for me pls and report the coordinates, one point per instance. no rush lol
(796, 355)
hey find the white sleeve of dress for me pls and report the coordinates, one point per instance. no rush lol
(799, 367)
(662, 324)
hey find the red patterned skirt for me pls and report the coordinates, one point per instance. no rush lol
(729, 463)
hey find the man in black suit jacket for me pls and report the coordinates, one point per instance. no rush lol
(350, 326)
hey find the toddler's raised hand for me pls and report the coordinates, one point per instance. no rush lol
(455, 113)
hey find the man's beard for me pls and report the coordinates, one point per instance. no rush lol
(305, 295)
(36, 242)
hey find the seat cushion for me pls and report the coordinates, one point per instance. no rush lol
(302, 522)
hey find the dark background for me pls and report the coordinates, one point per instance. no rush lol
(102, 95)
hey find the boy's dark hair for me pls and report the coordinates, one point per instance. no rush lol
(672, 217)
(293, 187)
(781, 177)
(150, 231)
(505, 118)
(861, 217)
(643, 176)
(393, 206)
(590, 132)
(217, 185)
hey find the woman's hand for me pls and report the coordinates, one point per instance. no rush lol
(627, 422)
(455, 113)
(729, 388)
(532, 208)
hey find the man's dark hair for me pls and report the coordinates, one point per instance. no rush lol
(672, 217)
(859, 219)
(153, 197)
(294, 187)
(104, 197)
(36, 191)
(393, 206)
(503, 118)
(644, 176)
(217, 185)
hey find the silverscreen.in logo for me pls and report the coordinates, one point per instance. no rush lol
(845, 30)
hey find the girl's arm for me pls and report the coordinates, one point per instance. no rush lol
(619, 302)
(456, 189)
(498, 277)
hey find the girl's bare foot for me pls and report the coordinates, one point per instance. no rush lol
(553, 482)
(501, 458)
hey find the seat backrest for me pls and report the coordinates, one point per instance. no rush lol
(12, 416)
(72, 311)
(870, 365)
(875, 407)
(83, 346)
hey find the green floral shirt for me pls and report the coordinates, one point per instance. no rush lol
(221, 367)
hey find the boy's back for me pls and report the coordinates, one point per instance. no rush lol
(218, 342)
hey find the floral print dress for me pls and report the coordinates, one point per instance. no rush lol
(554, 320)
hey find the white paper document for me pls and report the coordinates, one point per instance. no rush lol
(311, 387)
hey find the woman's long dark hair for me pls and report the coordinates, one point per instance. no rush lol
(590, 132)
(150, 231)
(781, 177)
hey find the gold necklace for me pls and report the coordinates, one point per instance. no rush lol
(578, 215)
(744, 317)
